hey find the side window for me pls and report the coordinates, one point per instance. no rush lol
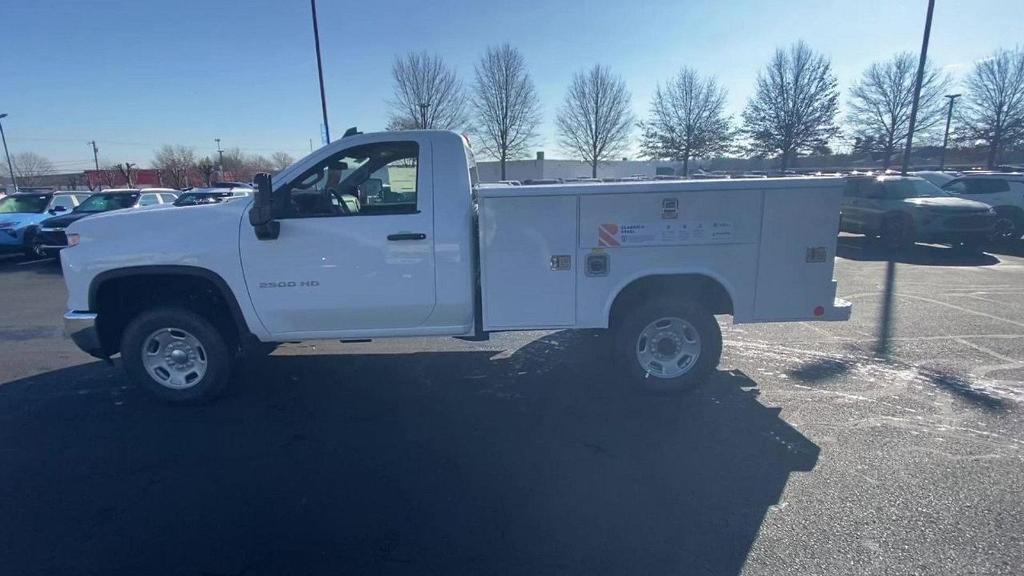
(149, 200)
(956, 187)
(992, 186)
(367, 180)
(168, 198)
(79, 198)
(64, 201)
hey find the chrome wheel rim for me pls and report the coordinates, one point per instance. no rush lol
(174, 358)
(667, 348)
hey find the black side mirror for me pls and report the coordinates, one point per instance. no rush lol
(261, 215)
(58, 209)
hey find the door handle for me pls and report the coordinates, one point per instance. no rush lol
(407, 236)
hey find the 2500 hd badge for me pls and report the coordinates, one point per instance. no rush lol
(291, 284)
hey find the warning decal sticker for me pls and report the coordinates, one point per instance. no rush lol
(665, 233)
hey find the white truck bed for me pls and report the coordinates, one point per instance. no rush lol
(769, 243)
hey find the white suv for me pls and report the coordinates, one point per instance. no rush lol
(1002, 191)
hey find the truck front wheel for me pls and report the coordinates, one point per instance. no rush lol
(665, 346)
(176, 354)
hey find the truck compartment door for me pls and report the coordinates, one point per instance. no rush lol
(527, 247)
(797, 254)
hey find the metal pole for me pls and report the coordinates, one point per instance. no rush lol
(95, 156)
(220, 155)
(917, 88)
(320, 72)
(10, 166)
(945, 139)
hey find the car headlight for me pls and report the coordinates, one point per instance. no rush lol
(7, 225)
(73, 239)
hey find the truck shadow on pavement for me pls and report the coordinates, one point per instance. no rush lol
(432, 462)
(864, 249)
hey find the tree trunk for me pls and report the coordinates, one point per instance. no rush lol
(593, 169)
(686, 166)
(502, 167)
(886, 158)
(784, 161)
(993, 152)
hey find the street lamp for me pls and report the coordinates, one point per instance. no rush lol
(10, 166)
(945, 139)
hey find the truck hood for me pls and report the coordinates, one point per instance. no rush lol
(159, 219)
(15, 220)
(947, 204)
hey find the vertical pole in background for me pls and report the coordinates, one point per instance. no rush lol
(917, 88)
(320, 72)
(945, 139)
(885, 323)
(10, 166)
(96, 163)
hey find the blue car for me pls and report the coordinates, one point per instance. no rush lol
(21, 213)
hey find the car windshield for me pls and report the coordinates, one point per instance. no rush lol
(24, 204)
(106, 202)
(911, 188)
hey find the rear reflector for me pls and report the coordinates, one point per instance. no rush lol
(819, 311)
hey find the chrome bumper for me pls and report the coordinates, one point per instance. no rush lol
(80, 327)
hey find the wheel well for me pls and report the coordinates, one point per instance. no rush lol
(694, 287)
(120, 299)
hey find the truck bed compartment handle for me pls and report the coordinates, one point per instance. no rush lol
(407, 236)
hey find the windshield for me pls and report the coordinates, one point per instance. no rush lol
(911, 188)
(107, 202)
(24, 204)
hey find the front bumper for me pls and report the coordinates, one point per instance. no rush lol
(51, 238)
(80, 327)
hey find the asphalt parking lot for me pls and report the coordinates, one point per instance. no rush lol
(807, 453)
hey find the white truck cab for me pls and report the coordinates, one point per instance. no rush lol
(387, 235)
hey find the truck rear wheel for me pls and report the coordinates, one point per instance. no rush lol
(664, 346)
(176, 354)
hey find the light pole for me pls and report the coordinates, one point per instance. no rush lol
(14, 181)
(320, 72)
(945, 139)
(220, 155)
(917, 87)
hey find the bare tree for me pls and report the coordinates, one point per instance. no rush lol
(29, 168)
(795, 104)
(880, 103)
(176, 165)
(687, 120)
(427, 94)
(993, 111)
(280, 160)
(595, 119)
(127, 171)
(506, 105)
(205, 166)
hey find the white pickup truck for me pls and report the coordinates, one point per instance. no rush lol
(386, 234)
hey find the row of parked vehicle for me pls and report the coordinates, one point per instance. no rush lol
(968, 211)
(34, 222)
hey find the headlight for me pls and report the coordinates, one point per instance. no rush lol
(73, 239)
(6, 225)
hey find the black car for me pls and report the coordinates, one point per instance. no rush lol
(51, 238)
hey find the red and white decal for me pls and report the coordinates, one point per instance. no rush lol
(607, 235)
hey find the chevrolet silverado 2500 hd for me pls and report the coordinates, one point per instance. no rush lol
(386, 235)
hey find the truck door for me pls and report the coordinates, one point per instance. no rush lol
(355, 253)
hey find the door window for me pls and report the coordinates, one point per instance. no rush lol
(63, 200)
(149, 200)
(168, 198)
(978, 186)
(366, 180)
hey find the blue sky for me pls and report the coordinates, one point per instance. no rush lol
(135, 75)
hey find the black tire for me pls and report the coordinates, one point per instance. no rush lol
(897, 232)
(629, 330)
(1009, 226)
(212, 347)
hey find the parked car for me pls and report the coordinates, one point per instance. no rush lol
(1003, 191)
(940, 179)
(51, 238)
(902, 210)
(210, 196)
(21, 213)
